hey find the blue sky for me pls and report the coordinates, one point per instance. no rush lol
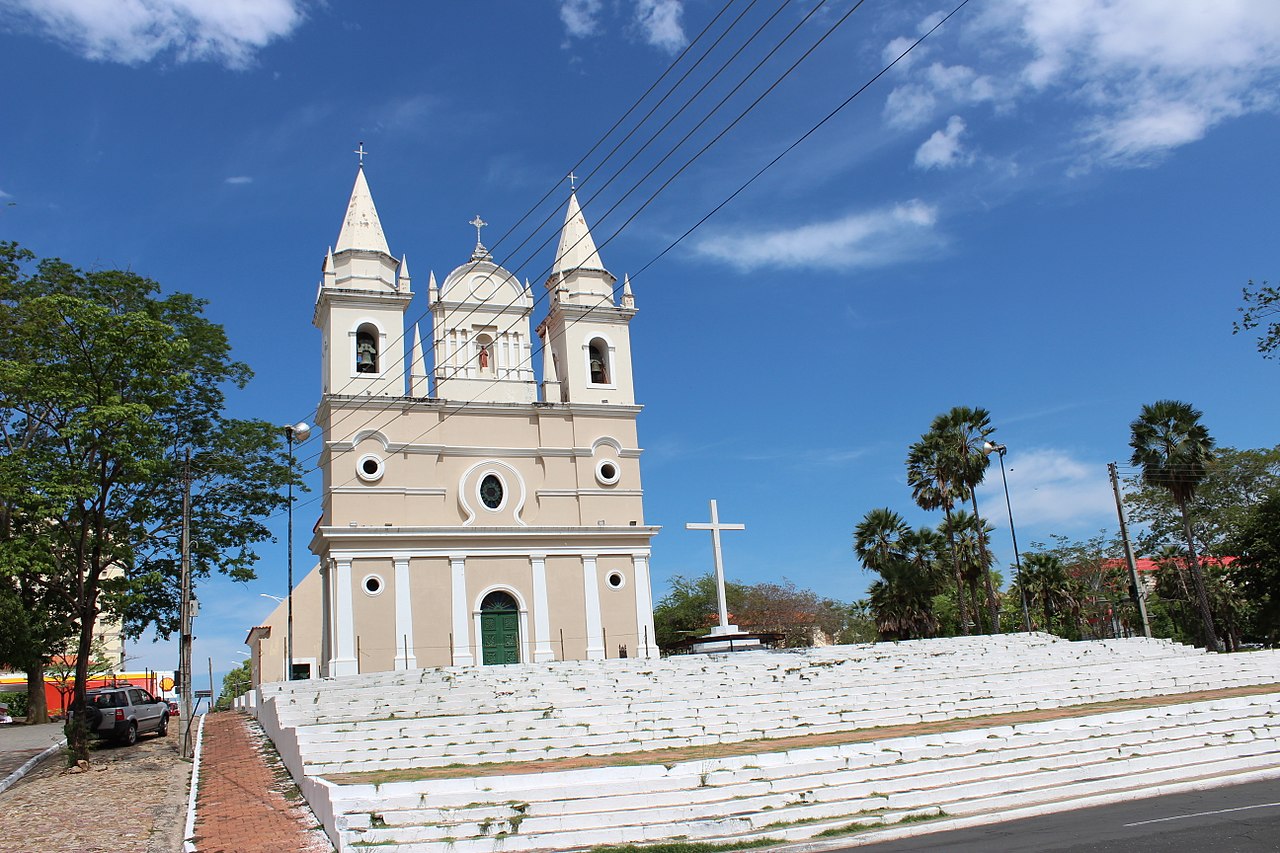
(1047, 210)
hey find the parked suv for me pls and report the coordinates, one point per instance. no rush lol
(122, 713)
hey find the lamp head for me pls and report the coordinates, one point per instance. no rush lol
(297, 432)
(989, 447)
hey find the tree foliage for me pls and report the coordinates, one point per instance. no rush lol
(1261, 305)
(235, 684)
(1174, 449)
(1256, 571)
(104, 384)
(801, 616)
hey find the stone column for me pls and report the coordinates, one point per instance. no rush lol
(462, 654)
(646, 643)
(591, 592)
(326, 616)
(345, 629)
(405, 658)
(542, 650)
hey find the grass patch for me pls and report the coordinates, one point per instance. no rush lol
(921, 817)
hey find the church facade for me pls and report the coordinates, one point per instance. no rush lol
(476, 511)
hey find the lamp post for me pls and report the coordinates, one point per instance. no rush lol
(298, 431)
(988, 448)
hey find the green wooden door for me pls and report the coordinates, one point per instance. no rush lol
(499, 629)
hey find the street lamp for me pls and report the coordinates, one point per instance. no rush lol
(988, 448)
(298, 431)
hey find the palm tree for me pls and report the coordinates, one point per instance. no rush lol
(930, 475)
(1044, 580)
(1172, 447)
(877, 540)
(902, 600)
(969, 532)
(967, 430)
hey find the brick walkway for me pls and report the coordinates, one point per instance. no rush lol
(246, 802)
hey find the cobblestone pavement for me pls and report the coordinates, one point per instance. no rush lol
(245, 801)
(131, 798)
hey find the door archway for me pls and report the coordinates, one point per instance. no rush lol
(499, 629)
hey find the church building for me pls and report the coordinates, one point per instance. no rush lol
(473, 512)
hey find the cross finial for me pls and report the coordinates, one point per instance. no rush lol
(573, 181)
(480, 253)
(360, 151)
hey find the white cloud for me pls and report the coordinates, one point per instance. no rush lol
(1144, 76)
(659, 20)
(1051, 487)
(4, 194)
(136, 31)
(858, 240)
(913, 104)
(581, 18)
(943, 149)
(236, 180)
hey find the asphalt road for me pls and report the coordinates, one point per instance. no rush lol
(1236, 819)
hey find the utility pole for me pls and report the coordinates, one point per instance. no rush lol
(1138, 593)
(184, 629)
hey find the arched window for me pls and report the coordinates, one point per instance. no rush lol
(367, 349)
(499, 601)
(598, 361)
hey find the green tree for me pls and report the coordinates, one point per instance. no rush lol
(970, 535)
(901, 601)
(104, 384)
(690, 607)
(930, 475)
(1235, 482)
(1172, 447)
(1261, 304)
(966, 431)
(235, 684)
(1256, 572)
(1048, 587)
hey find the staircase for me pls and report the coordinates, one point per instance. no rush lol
(472, 717)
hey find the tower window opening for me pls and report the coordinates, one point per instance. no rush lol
(366, 350)
(598, 361)
(484, 353)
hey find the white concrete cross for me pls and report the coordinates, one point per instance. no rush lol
(715, 527)
(360, 150)
(478, 223)
(573, 181)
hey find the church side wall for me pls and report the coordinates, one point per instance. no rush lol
(618, 607)
(567, 603)
(375, 614)
(431, 593)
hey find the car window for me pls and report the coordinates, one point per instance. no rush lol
(135, 697)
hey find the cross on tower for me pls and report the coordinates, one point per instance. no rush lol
(360, 150)
(715, 527)
(572, 179)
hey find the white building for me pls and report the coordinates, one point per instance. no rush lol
(472, 514)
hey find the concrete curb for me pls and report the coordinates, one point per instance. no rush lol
(188, 834)
(31, 764)
(892, 833)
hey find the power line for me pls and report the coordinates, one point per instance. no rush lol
(798, 141)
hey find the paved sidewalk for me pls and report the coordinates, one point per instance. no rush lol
(245, 800)
(19, 744)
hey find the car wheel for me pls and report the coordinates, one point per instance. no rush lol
(130, 736)
(164, 724)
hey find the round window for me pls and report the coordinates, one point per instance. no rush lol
(491, 491)
(607, 472)
(372, 584)
(615, 580)
(369, 468)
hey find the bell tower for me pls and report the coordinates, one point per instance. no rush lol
(586, 333)
(360, 306)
